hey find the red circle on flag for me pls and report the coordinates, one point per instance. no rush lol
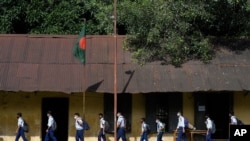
(82, 43)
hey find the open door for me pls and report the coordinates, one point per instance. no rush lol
(217, 105)
(60, 112)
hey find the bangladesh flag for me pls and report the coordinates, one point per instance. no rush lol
(80, 46)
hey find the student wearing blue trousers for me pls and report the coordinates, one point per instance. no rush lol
(181, 135)
(50, 130)
(121, 125)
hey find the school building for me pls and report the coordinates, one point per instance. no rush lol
(39, 73)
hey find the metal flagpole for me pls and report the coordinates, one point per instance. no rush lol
(115, 72)
(84, 80)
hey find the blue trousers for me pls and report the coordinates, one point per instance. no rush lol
(19, 134)
(181, 136)
(121, 134)
(101, 135)
(209, 136)
(50, 134)
(159, 136)
(144, 136)
(79, 135)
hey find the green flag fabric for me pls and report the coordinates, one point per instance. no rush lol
(79, 49)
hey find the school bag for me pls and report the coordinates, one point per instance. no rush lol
(54, 125)
(239, 122)
(25, 126)
(163, 125)
(213, 130)
(106, 124)
(148, 130)
(85, 125)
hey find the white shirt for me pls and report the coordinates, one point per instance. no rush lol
(20, 122)
(209, 123)
(143, 127)
(159, 126)
(102, 123)
(78, 122)
(233, 120)
(121, 120)
(50, 121)
(180, 122)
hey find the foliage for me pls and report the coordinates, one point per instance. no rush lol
(229, 18)
(169, 31)
(172, 31)
(98, 14)
(55, 16)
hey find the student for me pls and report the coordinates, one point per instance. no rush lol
(121, 125)
(144, 132)
(19, 130)
(233, 120)
(79, 127)
(209, 125)
(181, 128)
(160, 129)
(50, 130)
(101, 134)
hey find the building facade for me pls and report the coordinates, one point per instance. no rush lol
(39, 73)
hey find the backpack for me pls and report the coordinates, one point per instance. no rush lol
(239, 122)
(148, 130)
(186, 122)
(25, 126)
(163, 125)
(106, 126)
(213, 127)
(85, 125)
(54, 125)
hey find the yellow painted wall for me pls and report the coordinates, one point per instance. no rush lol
(188, 106)
(138, 112)
(10, 104)
(30, 106)
(242, 106)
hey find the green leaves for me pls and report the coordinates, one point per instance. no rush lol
(175, 31)
(171, 31)
(166, 31)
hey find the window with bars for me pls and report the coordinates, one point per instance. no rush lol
(164, 106)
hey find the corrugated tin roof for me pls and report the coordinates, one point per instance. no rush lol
(45, 63)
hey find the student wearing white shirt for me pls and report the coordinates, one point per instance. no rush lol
(79, 127)
(19, 130)
(101, 134)
(209, 125)
(144, 135)
(233, 119)
(181, 128)
(50, 130)
(121, 125)
(160, 129)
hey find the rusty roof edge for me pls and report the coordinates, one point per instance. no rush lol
(58, 36)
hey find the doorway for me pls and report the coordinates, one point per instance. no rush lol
(60, 112)
(217, 105)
